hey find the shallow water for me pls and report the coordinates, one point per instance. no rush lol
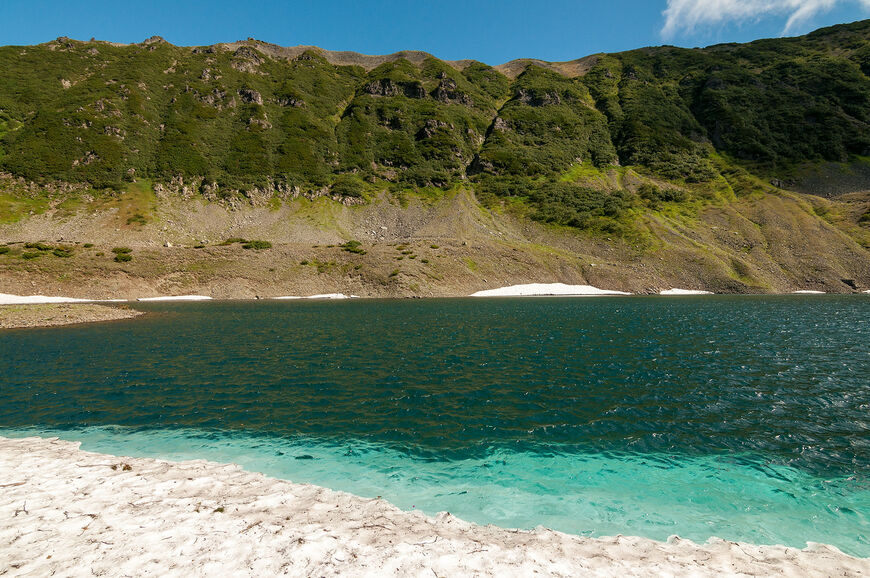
(746, 418)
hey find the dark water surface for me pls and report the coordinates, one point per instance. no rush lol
(742, 417)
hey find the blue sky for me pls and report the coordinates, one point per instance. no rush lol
(487, 30)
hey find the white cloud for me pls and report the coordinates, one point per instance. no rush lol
(687, 15)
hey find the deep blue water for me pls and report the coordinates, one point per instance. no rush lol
(746, 418)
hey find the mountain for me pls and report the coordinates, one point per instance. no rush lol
(658, 157)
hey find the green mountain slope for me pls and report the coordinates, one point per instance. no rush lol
(630, 147)
(238, 115)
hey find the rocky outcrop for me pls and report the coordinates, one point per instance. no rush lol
(291, 101)
(537, 98)
(246, 59)
(255, 196)
(448, 92)
(430, 127)
(382, 87)
(388, 87)
(251, 96)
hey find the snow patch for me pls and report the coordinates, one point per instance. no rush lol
(177, 298)
(7, 299)
(685, 292)
(541, 289)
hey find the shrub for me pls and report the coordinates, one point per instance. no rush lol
(30, 255)
(122, 250)
(257, 245)
(88, 245)
(123, 257)
(62, 252)
(38, 246)
(348, 186)
(656, 195)
(353, 247)
(4, 250)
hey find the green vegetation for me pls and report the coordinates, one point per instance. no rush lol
(64, 252)
(122, 250)
(257, 245)
(123, 257)
(353, 247)
(38, 246)
(4, 250)
(88, 245)
(28, 255)
(137, 219)
(235, 123)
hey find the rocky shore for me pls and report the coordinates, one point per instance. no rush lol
(54, 314)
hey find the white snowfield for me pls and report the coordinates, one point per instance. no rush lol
(684, 292)
(177, 298)
(7, 299)
(808, 292)
(541, 289)
(67, 512)
(321, 296)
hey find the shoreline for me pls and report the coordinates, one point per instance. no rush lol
(24, 312)
(522, 290)
(68, 508)
(54, 314)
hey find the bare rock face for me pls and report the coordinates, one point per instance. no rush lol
(215, 98)
(430, 127)
(382, 87)
(260, 123)
(290, 101)
(536, 98)
(500, 125)
(448, 92)
(246, 59)
(248, 53)
(251, 96)
(387, 87)
(479, 165)
(414, 90)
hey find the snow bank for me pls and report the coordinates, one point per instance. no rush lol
(684, 292)
(7, 299)
(69, 512)
(808, 292)
(536, 289)
(177, 298)
(321, 296)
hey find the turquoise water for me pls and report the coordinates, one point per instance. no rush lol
(746, 418)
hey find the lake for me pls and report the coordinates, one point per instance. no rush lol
(746, 418)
